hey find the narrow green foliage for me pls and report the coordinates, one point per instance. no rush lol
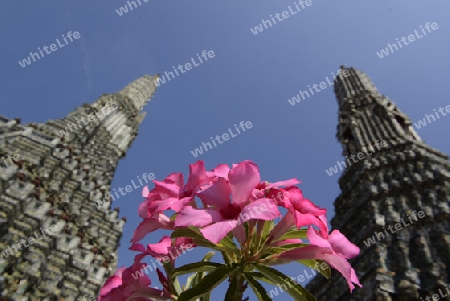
(294, 289)
(208, 283)
(257, 288)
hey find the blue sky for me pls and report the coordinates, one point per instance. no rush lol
(250, 78)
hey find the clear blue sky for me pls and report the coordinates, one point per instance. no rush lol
(250, 79)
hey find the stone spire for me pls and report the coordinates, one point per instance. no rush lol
(141, 90)
(402, 257)
(366, 116)
(58, 176)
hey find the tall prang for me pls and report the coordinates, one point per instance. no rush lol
(58, 236)
(386, 188)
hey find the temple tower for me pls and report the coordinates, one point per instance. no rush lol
(58, 236)
(394, 202)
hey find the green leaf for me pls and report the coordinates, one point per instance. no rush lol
(292, 234)
(195, 278)
(294, 289)
(203, 266)
(227, 242)
(259, 276)
(315, 264)
(199, 240)
(177, 286)
(209, 255)
(282, 249)
(208, 283)
(190, 282)
(187, 232)
(257, 288)
(267, 228)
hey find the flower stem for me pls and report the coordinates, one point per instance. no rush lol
(241, 286)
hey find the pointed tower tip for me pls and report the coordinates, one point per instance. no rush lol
(141, 90)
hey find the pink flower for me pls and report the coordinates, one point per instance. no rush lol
(304, 211)
(335, 250)
(173, 194)
(158, 221)
(224, 216)
(158, 250)
(130, 283)
(163, 250)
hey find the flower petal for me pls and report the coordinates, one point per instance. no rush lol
(177, 178)
(217, 231)
(217, 195)
(160, 248)
(197, 175)
(167, 186)
(317, 240)
(160, 221)
(302, 220)
(239, 233)
(342, 245)
(189, 216)
(282, 226)
(263, 209)
(244, 177)
(285, 183)
(145, 192)
(220, 171)
(112, 283)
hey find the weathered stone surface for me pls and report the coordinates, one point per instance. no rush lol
(406, 176)
(56, 182)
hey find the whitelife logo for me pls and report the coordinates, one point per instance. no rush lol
(31, 241)
(398, 226)
(225, 137)
(27, 61)
(101, 203)
(188, 66)
(284, 15)
(411, 38)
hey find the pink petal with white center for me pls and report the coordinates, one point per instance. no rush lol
(217, 231)
(263, 209)
(189, 216)
(243, 179)
(217, 195)
(342, 245)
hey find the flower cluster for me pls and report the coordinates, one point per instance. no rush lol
(221, 209)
